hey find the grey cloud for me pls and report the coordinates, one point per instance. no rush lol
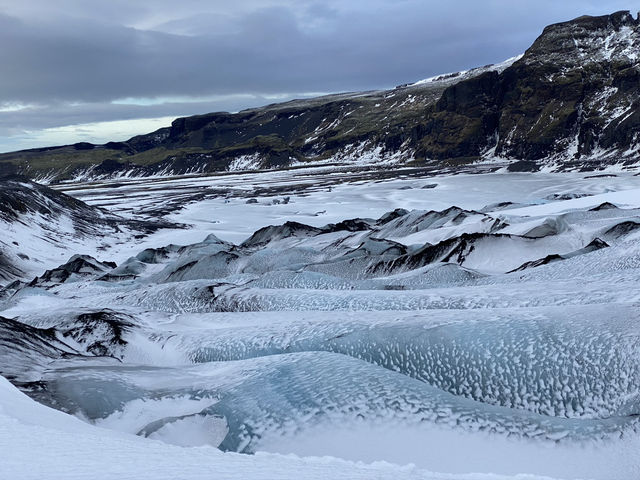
(90, 53)
(50, 115)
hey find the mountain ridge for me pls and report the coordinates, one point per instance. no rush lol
(571, 102)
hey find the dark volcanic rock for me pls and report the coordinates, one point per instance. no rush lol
(352, 225)
(25, 351)
(8, 269)
(78, 266)
(100, 333)
(18, 196)
(604, 206)
(392, 215)
(276, 232)
(157, 255)
(567, 196)
(536, 263)
(523, 166)
(450, 250)
(622, 229)
(595, 244)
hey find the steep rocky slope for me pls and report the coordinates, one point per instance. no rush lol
(40, 227)
(570, 102)
(574, 97)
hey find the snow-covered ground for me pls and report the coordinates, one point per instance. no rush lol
(318, 196)
(496, 339)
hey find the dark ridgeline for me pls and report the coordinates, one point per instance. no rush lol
(572, 99)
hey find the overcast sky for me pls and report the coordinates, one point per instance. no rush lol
(99, 70)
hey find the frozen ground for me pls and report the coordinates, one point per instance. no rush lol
(317, 196)
(480, 326)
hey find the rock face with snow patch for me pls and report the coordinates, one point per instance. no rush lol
(574, 97)
(26, 351)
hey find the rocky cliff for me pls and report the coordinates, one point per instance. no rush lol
(573, 98)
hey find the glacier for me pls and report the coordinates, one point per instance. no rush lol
(485, 327)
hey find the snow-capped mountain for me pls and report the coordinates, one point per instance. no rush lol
(570, 102)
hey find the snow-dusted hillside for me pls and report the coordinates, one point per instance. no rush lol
(42, 228)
